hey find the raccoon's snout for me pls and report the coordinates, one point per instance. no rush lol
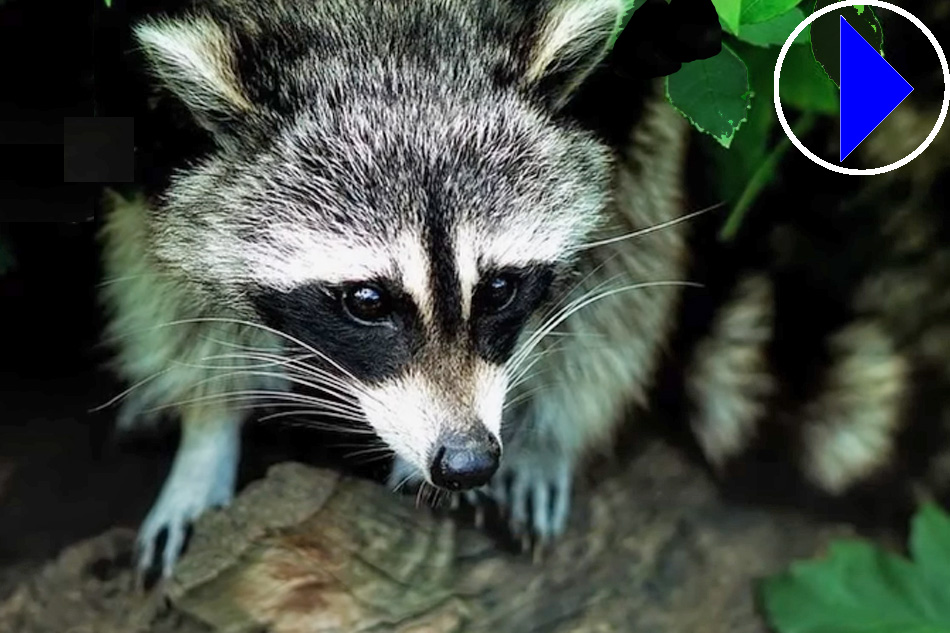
(465, 460)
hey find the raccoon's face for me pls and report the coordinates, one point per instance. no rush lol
(401, 215)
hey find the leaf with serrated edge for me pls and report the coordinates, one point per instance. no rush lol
(713, 94)
(857, 589)
(860, 588)
(749, 147)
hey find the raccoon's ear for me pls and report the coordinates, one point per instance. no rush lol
(573, 38)
(195, 58)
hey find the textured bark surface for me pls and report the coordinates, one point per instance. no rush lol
(651, 549)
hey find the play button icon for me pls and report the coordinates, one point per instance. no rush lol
(870, 89)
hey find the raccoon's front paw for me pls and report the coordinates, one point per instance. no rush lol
(177, 507)
(533, 487)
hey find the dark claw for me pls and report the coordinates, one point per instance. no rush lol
(533, 506)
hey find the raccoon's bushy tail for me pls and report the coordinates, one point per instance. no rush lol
(825, 368)
(855, 419)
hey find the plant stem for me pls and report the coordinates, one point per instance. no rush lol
(762, 177)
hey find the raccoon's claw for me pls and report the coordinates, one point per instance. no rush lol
(538, 500)
(150, 542)
(535, 492)
(202, 477)
(172, 517)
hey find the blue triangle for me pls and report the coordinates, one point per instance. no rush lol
(870, 89)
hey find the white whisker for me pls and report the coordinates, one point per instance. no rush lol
(579, 305)
(652, 229)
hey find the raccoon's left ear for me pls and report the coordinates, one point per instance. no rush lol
(195, 59)
(573, 38)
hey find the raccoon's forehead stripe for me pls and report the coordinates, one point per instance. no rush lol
(444, 279)
(412, 261)
(466, 265)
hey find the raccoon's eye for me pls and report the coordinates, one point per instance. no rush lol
(367, 303)
(499, 292)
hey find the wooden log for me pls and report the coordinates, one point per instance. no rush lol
(650, 548)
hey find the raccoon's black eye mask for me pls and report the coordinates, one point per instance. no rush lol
(374, 329)
(661, 37)
(374, 303)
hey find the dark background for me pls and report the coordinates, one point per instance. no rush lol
(64, 475)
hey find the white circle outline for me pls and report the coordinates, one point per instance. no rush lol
(876, 170)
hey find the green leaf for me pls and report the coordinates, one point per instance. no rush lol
(775, 31)
(108, 4)
(713, 94)
(804, 85)
(860, 588)
(930, 547)
(930, 542)
(735, 166)
(825, 34)
(729, 12)
(755, 11)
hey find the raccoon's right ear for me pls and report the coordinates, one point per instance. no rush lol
(572, 40)
(195, 58)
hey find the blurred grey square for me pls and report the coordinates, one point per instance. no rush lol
(98, 149)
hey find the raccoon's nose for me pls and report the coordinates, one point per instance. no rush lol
(465, 460)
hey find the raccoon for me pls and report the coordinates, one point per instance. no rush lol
(400, 202)
(428, 224)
